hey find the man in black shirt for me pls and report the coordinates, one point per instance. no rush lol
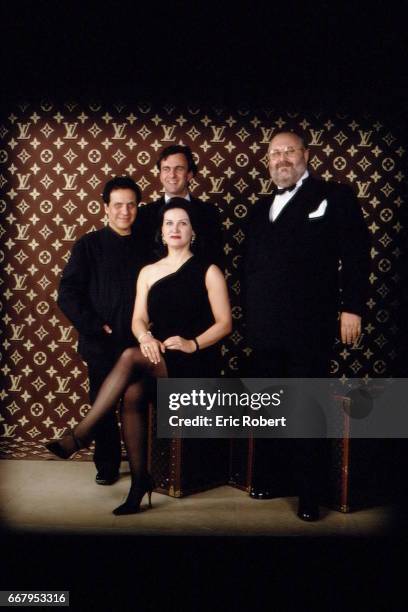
(177, 167)
(96, 293)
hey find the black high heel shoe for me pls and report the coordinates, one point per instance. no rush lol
(67, 446)
(134, 499)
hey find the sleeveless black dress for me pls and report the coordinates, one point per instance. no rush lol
(178, 305)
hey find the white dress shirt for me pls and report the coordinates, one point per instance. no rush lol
(167, 198)
(280, 201)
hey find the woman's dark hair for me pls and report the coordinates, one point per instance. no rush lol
(121, 182)
(161, 249)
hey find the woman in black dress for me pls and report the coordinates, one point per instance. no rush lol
(181, 311)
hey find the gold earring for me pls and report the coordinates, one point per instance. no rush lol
(163, 241)
(192, 239)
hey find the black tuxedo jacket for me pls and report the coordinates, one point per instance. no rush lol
(293, 286)
(210, 241)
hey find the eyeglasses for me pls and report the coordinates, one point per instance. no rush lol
(286, 152)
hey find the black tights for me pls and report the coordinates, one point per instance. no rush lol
(129, 378)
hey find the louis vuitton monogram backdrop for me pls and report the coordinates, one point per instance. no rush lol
(54, 161)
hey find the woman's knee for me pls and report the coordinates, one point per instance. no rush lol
(130, 355)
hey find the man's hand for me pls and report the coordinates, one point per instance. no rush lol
(350, 327)
(107, 329)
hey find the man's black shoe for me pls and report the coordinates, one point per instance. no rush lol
(106, 478)
(308, 511)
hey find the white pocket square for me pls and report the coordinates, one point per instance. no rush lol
(320, 210)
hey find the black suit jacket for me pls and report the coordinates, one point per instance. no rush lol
(98, 287)
(293, 287)
(209, 234)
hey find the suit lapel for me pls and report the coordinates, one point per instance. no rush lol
(303, 200)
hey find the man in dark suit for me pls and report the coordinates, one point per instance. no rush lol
(97, 293)
(177, 167)
(294, 290)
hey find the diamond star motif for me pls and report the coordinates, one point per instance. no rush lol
(144, 132)
(217, 159)
(193, 133)
(70, 156)
(389, 139)
(23, 156)
(12, 408)
(18, 306)
(61, 410)
(94, 130)
(118, 156)
(241, 185)
(315, 162)
(64, 359)
(242, 134)
(143, 183)
(38, 383)
(387, 190)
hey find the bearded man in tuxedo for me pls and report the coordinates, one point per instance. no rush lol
(296, 295)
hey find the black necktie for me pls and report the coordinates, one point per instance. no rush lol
(285, 189)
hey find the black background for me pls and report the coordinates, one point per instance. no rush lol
(306, 55)
(299, 54)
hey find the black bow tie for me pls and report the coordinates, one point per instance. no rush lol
(285, 189)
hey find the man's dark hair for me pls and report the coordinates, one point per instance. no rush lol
(121, 182)
(173, 150)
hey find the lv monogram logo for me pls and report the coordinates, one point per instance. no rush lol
(119, 129)
(63, 384)
(23, 131)
(168, 133)
(70, 131)
(218, 131)
(23, 181)
(20, 284)
(365, 138)
(69, 182)
(68, 232)
(17, 330)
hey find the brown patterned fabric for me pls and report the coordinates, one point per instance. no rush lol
(54, 161)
